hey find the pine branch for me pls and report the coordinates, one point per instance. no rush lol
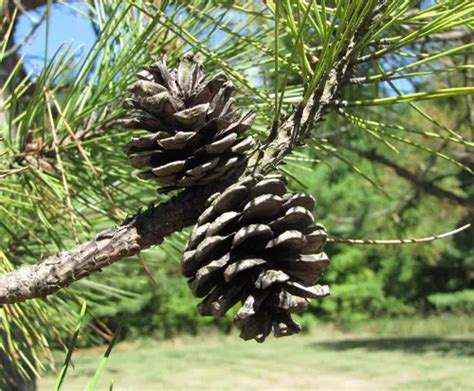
(144, 230)
(152, 226)
(309, 114)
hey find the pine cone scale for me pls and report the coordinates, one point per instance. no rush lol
(240, 266)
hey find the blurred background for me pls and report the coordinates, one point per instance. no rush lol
(398, 317)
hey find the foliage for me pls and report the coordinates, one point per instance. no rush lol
(457, 302)
(171, 311)
(369, 281)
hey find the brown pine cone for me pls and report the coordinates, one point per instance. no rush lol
(195, 133)
(258, 244)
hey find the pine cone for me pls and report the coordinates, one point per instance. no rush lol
(258, 244)
(195, 131)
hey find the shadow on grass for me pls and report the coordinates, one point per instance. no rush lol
(460, 347)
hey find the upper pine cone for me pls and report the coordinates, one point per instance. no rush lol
(258, 244)
(195, 131)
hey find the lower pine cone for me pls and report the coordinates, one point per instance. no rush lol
(257, 244)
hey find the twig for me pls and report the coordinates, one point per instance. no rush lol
(13, 172)
(307, 115)
(147, 270)
(398, 241)
(83, 153)
(146, 229)
(69, 206)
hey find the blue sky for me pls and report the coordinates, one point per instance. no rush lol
(67, 27)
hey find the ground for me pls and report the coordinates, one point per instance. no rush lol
(326, 359)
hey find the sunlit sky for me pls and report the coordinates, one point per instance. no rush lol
(68, 28)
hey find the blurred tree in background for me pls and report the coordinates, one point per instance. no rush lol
(393, 158)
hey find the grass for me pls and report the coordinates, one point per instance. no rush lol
(377, 356)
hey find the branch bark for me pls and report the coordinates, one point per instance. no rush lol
(144, 230)
(139, 233)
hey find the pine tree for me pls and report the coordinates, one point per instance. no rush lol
(64, 175)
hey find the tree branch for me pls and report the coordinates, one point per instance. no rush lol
(310, 114)
(144, 230)
(151, 227)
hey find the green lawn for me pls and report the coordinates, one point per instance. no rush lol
(326, 359)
